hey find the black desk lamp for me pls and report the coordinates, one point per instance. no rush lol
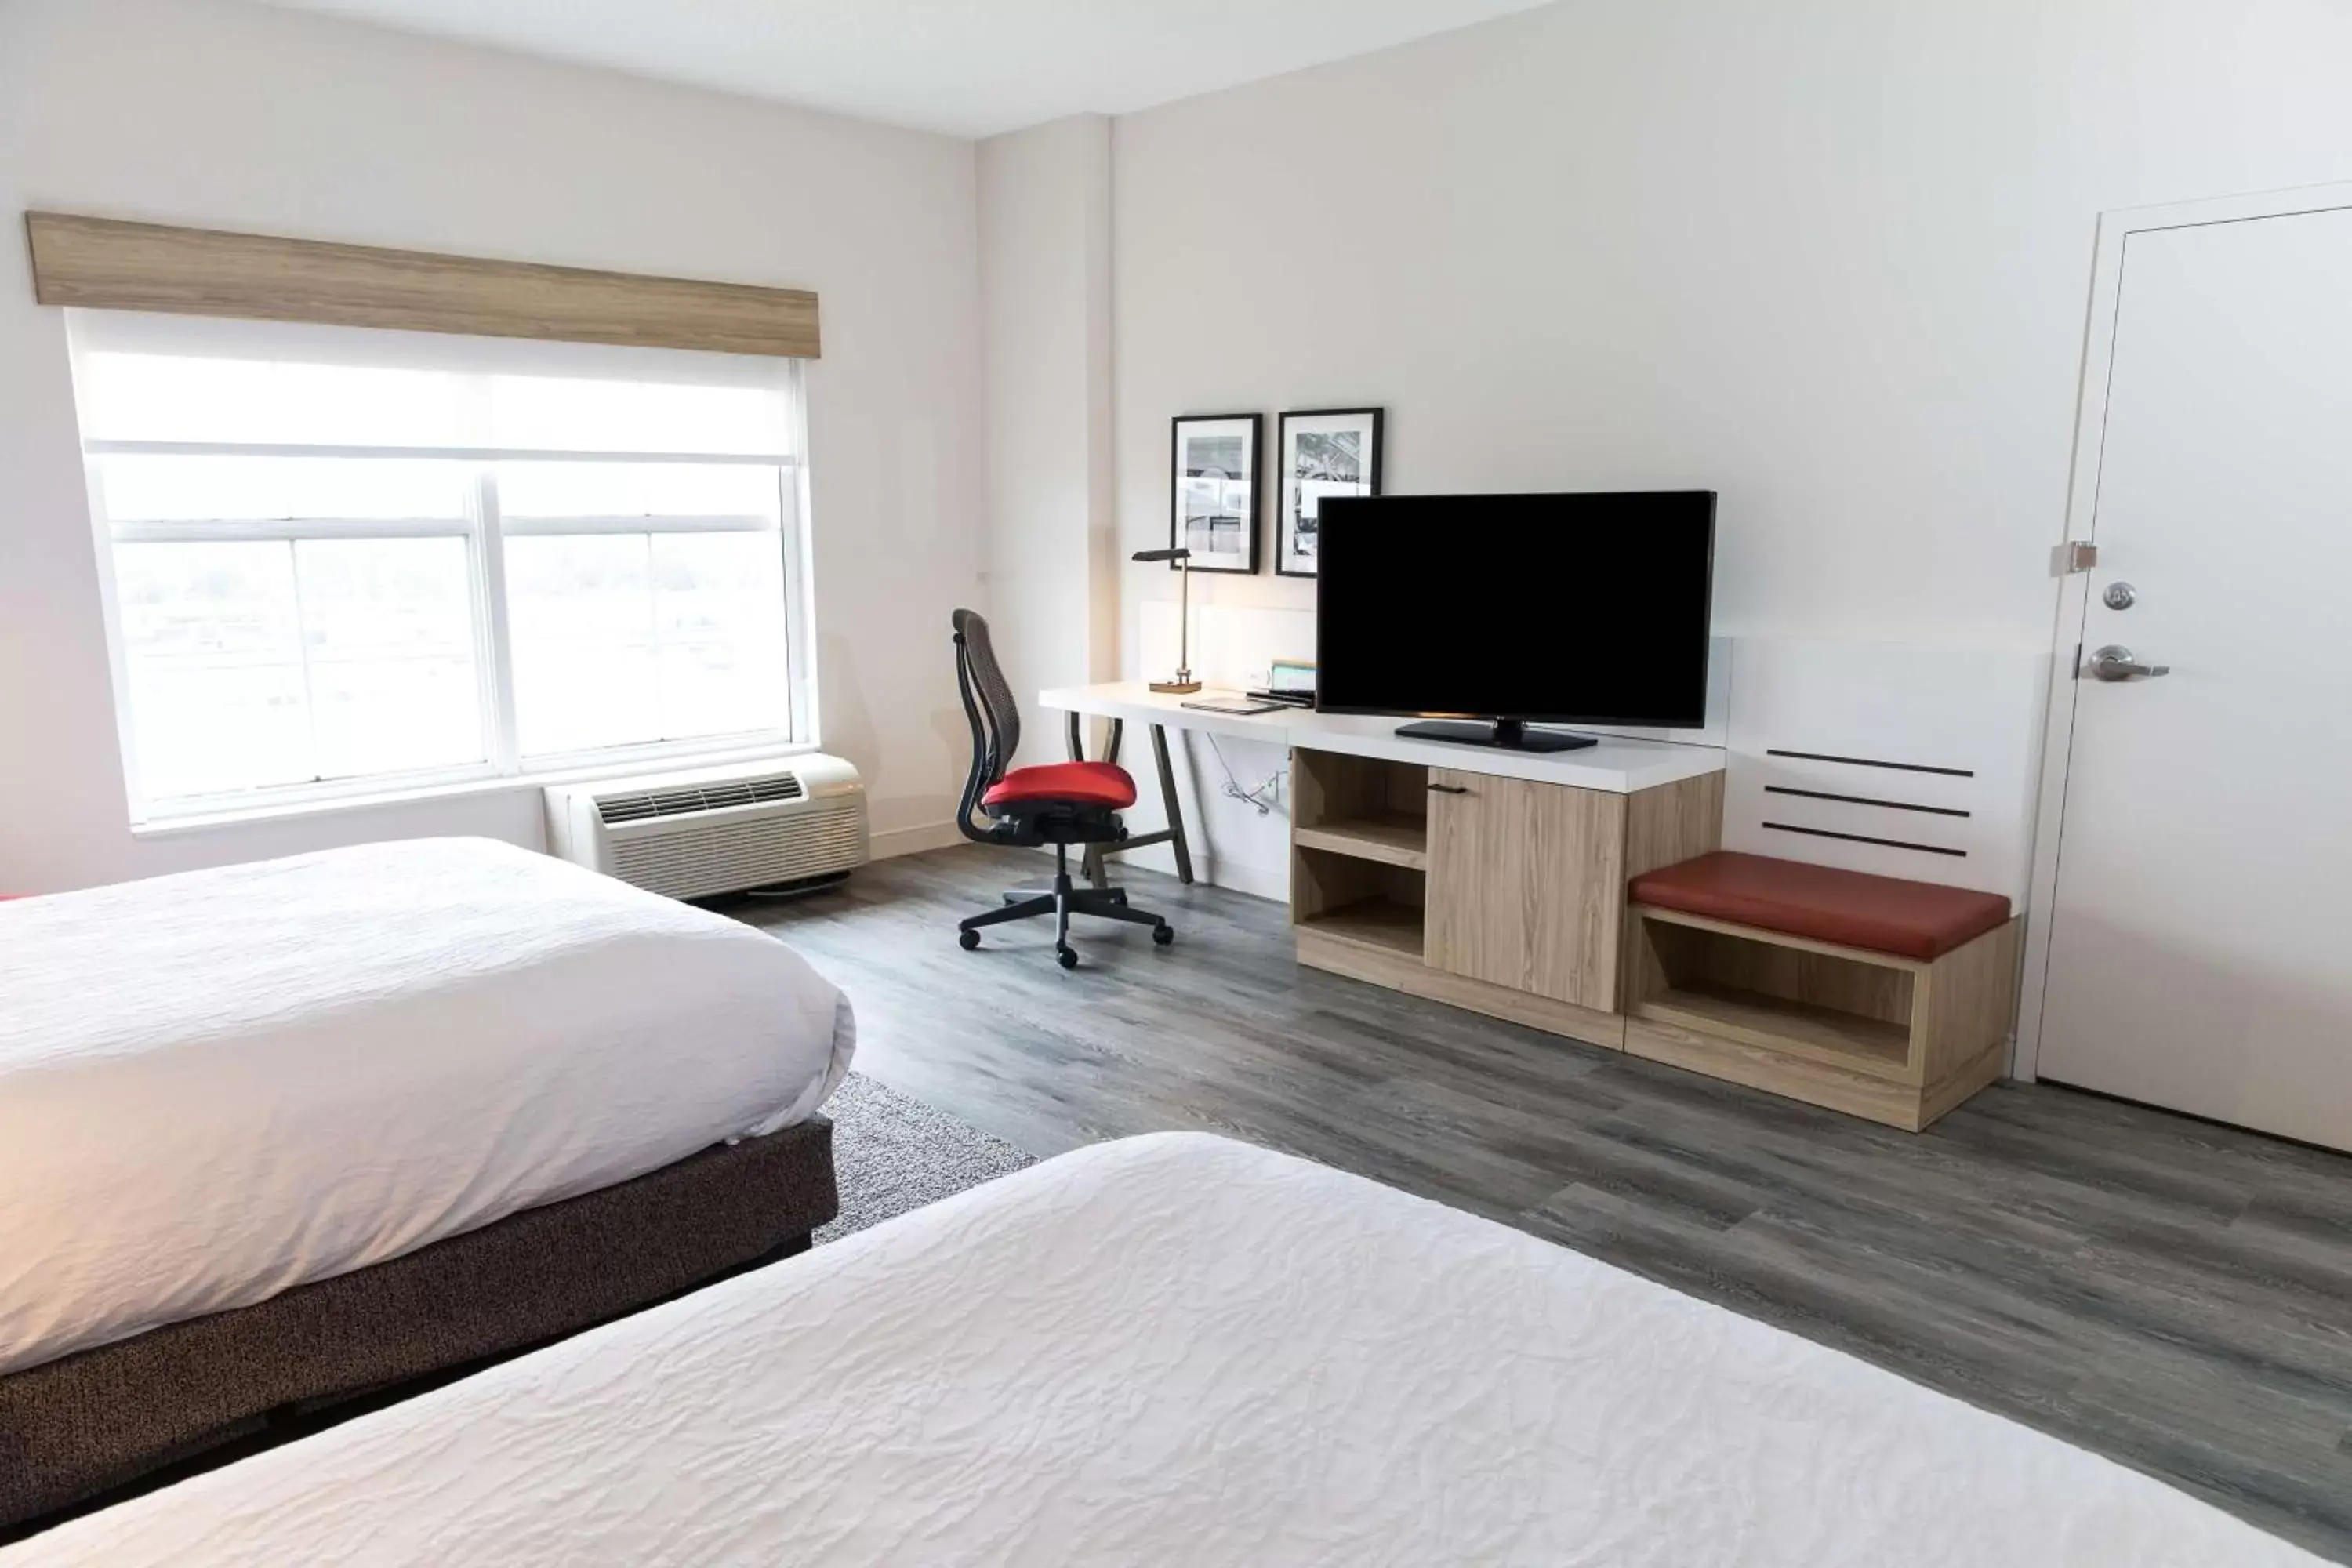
(1183, 685)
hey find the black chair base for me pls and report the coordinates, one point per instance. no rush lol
(1062, 900)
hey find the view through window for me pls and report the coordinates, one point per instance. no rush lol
(342, 558)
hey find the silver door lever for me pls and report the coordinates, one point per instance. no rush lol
(2115, 662)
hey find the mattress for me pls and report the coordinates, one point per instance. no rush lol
(1178, 1350)
(216, 1086)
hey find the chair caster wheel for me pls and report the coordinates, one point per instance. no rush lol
(1163, 934)
(967, 940)
(1067, 957)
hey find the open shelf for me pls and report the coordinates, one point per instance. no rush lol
(1780, 1023)
(1393, 838)
(1382, 924)
(1360, 853)
(1742, 990)
(1894, 1039)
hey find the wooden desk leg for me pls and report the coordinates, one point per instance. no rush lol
(1168, 798)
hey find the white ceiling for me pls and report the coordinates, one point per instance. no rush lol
(971, 68)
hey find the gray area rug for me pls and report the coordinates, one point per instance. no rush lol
(892, 1152)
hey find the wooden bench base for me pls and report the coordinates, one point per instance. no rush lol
(1897, 1040)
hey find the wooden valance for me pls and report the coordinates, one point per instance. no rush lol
(107, 264)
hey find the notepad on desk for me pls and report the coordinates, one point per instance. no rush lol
(1238, 707)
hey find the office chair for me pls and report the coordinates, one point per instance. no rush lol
(1060, 803)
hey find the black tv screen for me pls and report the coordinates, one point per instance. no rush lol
(1566, 609)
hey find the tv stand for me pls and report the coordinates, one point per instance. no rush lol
(1479, 877)
(1509, 734)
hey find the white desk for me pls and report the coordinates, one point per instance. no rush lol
(1615, 766)
(1620, 768)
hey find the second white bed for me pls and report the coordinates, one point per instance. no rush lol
(1178, 1350)
(216, 1086)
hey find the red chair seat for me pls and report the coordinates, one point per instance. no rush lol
(1849, 908)
(1081, 784)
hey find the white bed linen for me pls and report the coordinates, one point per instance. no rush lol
(1178, 1350)
(219, 1085)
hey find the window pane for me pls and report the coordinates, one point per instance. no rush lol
(637, 489)
(389, 626)
(320, 614)
(718, 608)
(168, 397)
(145, 489)
(626, 638)
(581, 614)
(216, 638)
(561, 414)
(213, 649)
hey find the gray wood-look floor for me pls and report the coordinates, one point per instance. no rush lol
(2173, 1294)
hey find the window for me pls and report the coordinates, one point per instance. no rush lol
(346, 560)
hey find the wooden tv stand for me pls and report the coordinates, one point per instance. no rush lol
(1490, 879)
(1503, 894)
(1497, 880)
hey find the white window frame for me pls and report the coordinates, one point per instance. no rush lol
(486, 532)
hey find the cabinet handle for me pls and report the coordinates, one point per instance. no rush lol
(1449, 789)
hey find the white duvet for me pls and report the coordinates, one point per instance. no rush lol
(219, 1085)
(1178, 1350)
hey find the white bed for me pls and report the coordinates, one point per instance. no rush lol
(1178, 1350)
(216, 1086)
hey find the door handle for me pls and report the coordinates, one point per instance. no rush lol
(1449, 789)
(2115, 662)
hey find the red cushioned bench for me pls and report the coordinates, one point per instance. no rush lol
(1875, 996)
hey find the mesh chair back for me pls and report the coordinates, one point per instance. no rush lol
(984, 683)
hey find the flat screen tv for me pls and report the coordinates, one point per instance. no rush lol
(1511, 610)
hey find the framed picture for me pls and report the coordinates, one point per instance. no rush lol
(1325, 452)
(1213, 510)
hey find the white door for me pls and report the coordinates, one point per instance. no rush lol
(2200, 949)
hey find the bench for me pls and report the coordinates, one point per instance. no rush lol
(1874, 996)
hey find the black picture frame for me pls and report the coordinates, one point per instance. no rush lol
(1212, 489)
(1287, 496)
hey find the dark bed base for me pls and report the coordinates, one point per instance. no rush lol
(89, 1423)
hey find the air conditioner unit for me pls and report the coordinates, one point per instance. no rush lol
(716, 830)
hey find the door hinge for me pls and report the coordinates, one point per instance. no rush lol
(2075, 555)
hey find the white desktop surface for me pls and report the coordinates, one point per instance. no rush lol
(1616, 766)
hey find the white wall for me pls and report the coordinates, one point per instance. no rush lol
(234, 117)
(1830, 257)
(1044, 268)
(1827, 256)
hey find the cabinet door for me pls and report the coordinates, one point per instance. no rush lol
(1527, 885)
